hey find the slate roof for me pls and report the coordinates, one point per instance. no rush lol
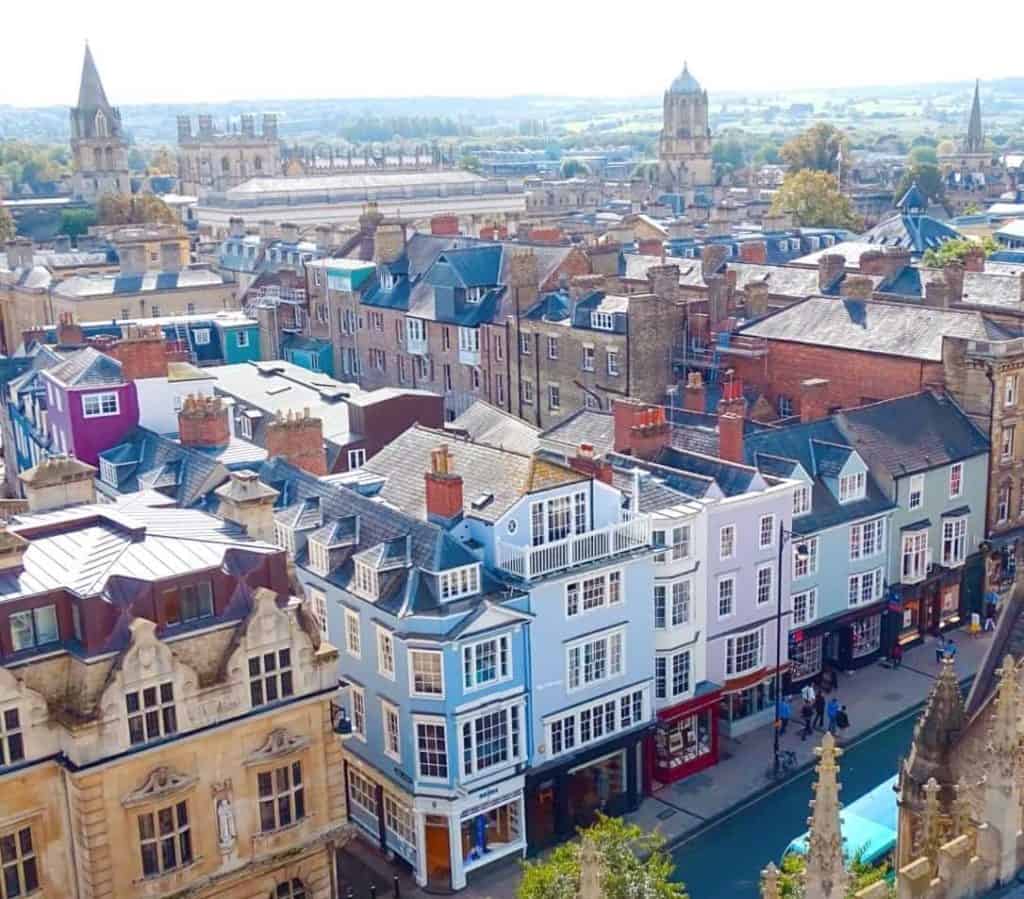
(730, 478)
(89, 549)
(821, 449)
(916, 233)
(698, 431)
(583, 426)
(87, 368)
(896, 329)
(661, 485)
(486, 471)
(484, 423)
(91, 95)
(782, 280)
(96, 285)
(912, 433)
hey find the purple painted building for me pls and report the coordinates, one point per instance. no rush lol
(91, 407)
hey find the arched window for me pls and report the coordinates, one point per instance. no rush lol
(290, 889)
(225, 164)
(101, 124)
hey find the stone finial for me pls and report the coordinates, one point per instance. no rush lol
(770, 886)
(590, 871)
(1004, 738)
(963, 817)
(931, 821)
(825, 875)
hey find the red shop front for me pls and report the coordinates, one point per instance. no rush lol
(685, 739)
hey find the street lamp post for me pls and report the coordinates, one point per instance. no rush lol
(801, 550)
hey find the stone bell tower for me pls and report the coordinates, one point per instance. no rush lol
(99, 151)
(684, 148)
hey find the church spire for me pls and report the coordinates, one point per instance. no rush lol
(937, 729)
(90, 90)
(825, 875)
(975, 137)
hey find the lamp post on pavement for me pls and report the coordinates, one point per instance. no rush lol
(785, 537)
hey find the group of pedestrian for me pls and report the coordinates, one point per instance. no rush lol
(814, 712)
(944, 648)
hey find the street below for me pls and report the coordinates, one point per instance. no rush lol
(724, 860)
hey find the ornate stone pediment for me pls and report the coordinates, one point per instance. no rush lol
(159, 784)
(279, 743)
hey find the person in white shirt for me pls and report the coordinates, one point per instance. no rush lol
(807, 693)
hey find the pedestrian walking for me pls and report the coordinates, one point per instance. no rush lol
(950, 649)
(819, 710)
(842, 718)
(990, 618)
(832, 711)
(784, 715)
(807, 693)
(807, 713)
(940, 648)
(897, 655)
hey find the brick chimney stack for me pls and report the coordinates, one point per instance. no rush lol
(813, 399)
(954, 275)
(695, 394)
(203, 421)
(142, 352)
(732, 412)
(443, 488)
(444, 224)
(298, 439)
(830, 267)
(664, 281)
(974, 261)
(69, 332)
(712, 258)
(586, 461)
(640, 429)
(857, 287)
(754, 251)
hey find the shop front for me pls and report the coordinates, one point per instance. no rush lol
(747, 703)
(685, 738)
(842, 642)
(568, 794)
(942, 602)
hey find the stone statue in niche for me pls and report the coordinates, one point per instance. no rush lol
(227, 831)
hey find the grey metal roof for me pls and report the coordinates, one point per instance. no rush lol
(87, 368)
(102, 284)
(912, 433)
(897, 329)
(354, 181)
(484, 423)
(85, 547)
(584, 426)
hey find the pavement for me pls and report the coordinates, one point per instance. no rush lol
(874, 696)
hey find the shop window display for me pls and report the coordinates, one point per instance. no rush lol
(744, 703)
(490, 831)
(867, 635)
(683, 741)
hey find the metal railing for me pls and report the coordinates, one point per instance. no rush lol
(529, 562)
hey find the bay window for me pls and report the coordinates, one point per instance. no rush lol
(486, 662)
(491, 739)
(595, 659)
(954, 541)
(914, 556)
(744, 653)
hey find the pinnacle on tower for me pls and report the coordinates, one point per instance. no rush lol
(825, 874)
(937, 729)
(975, 136)
(90, 90)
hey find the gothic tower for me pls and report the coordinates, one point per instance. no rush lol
(684, 149)
(975, 142)
(98, 148)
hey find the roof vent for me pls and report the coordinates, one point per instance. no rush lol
(482, 501)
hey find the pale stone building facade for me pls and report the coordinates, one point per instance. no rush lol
(214, 161)
(684, 148)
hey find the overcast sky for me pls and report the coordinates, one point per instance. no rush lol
(188, 51)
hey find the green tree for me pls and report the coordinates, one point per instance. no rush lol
(922, 155)
(140, 209)
(767, 154)
(815, 201)
(862, 874)
(7, 229)
(573, 168)
(635, 864)
(727, 151)
(929, 181)
(957, 251)
(76, 222)
(816, 148)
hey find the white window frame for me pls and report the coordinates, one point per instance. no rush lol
(554, 397)
(353, 628)
(914, 545)
(602, 321)
(414, 654)
(764, 586)
(810, 606)
(469, 340)
(802, 500)
(319, 557)
(356, 459)
(957, 541)
(1010, 390)
(612, 363)
(863, 546)
(852, 487)
(915, 492)
(385, 652)
(318, 602)
(434, 722)
(956, 480)
(610, 640)
(365, 581)
(513, 753)
(201, 336)
(576, 593)
(358, 695)
(725, 579)
(875, 585)
(459, 582)
(392, 743)
(470, 651)
(101, 398)
(565, 733)
(727, 550)
(731, 667)
(769, 521)
(809, 564)
(242, 339)
(552, 347)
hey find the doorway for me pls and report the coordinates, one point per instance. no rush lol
(439, 853)
(540, 810)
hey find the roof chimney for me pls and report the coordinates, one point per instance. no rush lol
(69, 332)
(732, 411)
(298, 439)
(755, 251)
(954, 275)
(141, 351)
(12, 551)
(695, 394)
(712, 258)
(640, 429)
(813, 399)
(443, 488)
(170, 256)
(58, 481)
(830, 267)
(203, 421)
(20, 253)
(857, 287)
(236, 227)
(586, 461)
(133, 257)
(248, 502)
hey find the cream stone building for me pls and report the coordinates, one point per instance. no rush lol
(684, 148)
(166, 709)
(210, 160)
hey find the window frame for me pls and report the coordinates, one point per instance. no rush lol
(768, 519)
(392, 741)
(720, 581)
(725, 529)
(915, 492)
(350, 616)
(503, 662)
(612, 659)
(294, 793)
(732, 653)
(436, 723)
(956, 480)
(386, 662)
(952, 559)
(278, 679)
(810, 597)
(179, 837)
(767, 588)
(101, 397)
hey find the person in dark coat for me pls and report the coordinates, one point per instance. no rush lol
(807, 713)
(819, 710)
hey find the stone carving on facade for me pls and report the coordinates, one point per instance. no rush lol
(160, 783)
(223, 804)
(279, 743)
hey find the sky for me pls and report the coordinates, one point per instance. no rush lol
(187, 51)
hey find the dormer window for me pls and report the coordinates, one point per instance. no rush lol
(852, 487)
(802, 500)
(319, 557)
(458, 582)
(387, 280)
(34, 627)
(602, 321)
(365, 580)
(474, 294)
(284, 536)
